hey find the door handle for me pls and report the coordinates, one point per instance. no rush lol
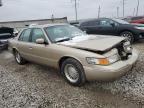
(30, 48)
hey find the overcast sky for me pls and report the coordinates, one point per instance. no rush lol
(39, 9)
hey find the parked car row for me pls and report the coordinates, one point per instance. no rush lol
(115, 27)
(5, 34)
(78, 56)
(137, 19)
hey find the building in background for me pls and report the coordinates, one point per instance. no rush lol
(23, 24)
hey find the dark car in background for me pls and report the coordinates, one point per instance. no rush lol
(115, 27)
(5, 34)
(137, 19)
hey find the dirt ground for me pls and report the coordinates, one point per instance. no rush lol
(35, 86)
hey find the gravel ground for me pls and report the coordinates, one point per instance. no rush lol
(35, 86)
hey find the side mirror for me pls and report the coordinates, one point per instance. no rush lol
(40, 41)
(15, 34)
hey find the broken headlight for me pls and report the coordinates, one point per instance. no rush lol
(127, 47)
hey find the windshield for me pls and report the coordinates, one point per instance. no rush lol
(63, 32)
(121, 21)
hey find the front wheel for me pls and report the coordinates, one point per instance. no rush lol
(18, 58)
(73, 72)
(128, 35)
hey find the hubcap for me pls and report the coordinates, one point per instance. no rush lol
(128, 36)
(71, 73)
(18, 57)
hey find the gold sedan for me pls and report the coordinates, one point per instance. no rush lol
(78, 56)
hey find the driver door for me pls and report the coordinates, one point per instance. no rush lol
(107, 27)
(39, 52)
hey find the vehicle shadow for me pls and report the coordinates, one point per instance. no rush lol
(139, 42)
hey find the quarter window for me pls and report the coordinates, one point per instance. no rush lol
(25, 35)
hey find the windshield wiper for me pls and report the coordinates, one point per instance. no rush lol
(64, 39)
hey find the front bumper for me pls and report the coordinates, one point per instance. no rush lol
(111, 72)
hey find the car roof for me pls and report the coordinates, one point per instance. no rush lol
(47, 25)
(94, 19)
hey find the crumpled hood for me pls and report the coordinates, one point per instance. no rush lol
(93, 42)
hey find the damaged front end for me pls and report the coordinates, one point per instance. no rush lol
(124, 49)
(121, 51)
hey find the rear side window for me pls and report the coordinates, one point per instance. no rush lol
(84, 24)
(25, 35)
(91, 23)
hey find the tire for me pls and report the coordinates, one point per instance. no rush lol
(129, 35)
(73, 72)
(18, 58)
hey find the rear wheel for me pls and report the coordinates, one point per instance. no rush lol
(18, 58)
(73, 72)
(128, 35)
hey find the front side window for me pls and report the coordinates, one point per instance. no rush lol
(108, 22)
(105, 23)
(25, 35)
(37, 34)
